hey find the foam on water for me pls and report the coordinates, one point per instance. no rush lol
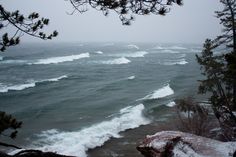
(98, 52)
(32, 83)
(175, 62)
(160, 93)
(131, 78)
(136, 54)
(76, 143)
(133, 46)
(169, 51)
(181, 56)
(158, 48)
(55, 60)
(121, 60)
(171, 104)
(177, 48)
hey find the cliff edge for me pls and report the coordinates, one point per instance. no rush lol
(179, 144)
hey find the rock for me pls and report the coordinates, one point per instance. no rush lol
(179, 144)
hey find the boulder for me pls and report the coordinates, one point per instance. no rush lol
(180, 144)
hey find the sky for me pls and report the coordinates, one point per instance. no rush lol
(191, 23)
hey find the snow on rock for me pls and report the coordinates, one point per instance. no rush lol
(179, 144)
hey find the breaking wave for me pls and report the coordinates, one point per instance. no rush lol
(174, 62)
(158, 48)
(132, 46)
(169, 51)
(1, 58)
(7, 88)
(177, 48)
(171, 104)
(77, 143)
(98, 52)
(160, 93)
(136, 54)
(121, 60)
(55, 60)
(131, 78)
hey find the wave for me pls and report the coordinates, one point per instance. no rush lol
(171, 104)
(55, 60)
(1, 58)
(121, 60)
(13, 61)
(77, 143)
(7, 88)
(181, 56)
(98, 52)
(158, 48)
(132, 55)
(177, 48)
(175, 62)
(131, 78)
(160, 93)
(136, 54)
(169, 51)
(133, 46)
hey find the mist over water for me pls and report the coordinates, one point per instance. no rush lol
(75, 97)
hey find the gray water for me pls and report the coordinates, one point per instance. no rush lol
(73, 97)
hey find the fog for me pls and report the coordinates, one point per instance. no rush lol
(191, 23)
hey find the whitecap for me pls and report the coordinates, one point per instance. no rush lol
(5, 88)
(98, 52)
(133, 46)
(136, 54)
(171, 104)
(181, 56)
(177, 48)
(29, 84)
(160, 93)
(55, 60)
(131, 78)
(121, 60)
(1, 58)
(169, 51)
(175, 62)
(158, 48)
(77, 143)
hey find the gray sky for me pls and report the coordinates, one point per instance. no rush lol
(191, 23)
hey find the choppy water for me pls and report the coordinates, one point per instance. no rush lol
(73, 97)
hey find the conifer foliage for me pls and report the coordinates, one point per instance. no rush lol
(126, 9)
(31, 25)
(220, 70)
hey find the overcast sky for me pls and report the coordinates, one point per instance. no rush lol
(191, 23)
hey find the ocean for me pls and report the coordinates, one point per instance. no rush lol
(76, 98)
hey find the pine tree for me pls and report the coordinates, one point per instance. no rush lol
(220, 70)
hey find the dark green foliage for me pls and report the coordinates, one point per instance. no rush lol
(220, 70)
(31, 25)
(7, 122)
(126, 8)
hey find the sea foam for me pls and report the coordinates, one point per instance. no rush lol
(171, 104)
(133, 46)
(177, 48)
(136, 54)
(160, 93)
(7, 88)
(175, 62)
(131, 78)
(77, 143)
(121, 60)
(98, 52)
(55, 60)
